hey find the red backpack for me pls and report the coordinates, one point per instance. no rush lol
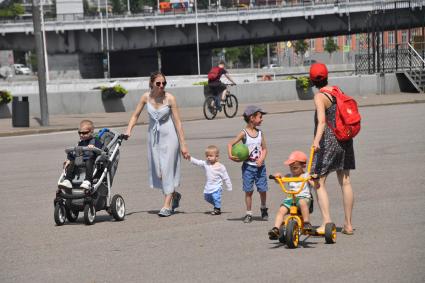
(214, 73)
(347, 117)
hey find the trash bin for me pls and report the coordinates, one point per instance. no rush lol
(20, 111)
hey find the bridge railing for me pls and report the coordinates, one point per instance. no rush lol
(398, 57)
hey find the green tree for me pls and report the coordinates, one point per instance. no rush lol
(12, 9)
(300, 48)
(259, 51)
(330, 46)
(232, 55)
(117, 7)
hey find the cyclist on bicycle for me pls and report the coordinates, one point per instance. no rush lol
(218, 88)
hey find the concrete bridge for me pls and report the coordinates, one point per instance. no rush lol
(170, 40)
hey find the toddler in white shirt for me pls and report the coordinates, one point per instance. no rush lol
(216, 175)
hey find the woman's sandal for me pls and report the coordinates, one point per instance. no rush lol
(346, 232)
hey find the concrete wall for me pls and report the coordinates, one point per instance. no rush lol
(90, 101)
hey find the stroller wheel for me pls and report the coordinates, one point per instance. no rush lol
(72, 215)
(89, 214)
(59, 214)
(118, 207)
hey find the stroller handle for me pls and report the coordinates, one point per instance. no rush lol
(83, 148)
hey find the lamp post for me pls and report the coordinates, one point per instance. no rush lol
(107, 39)
(46, 62)
(197, 37)
(128, 7)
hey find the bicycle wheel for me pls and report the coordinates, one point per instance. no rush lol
(231, 106)
(210, 110)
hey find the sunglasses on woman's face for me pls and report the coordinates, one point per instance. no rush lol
(159, 83)
(83, 133)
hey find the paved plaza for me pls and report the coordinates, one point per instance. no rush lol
(388, 244)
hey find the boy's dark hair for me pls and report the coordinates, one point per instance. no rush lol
(221, 62)
(320, 83)
(247, 118)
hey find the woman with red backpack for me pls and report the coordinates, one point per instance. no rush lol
(332, 153)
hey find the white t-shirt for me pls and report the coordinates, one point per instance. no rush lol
(295, 186)
(216, 175)
(254, 147)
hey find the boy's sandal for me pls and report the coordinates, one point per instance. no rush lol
(274, 234)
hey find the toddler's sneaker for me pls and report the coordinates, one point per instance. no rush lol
(274, 233)
(85, 185)
(65, 184)
(264, 214)
(247, 219)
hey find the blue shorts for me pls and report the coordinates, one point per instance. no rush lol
(214, 198)
(253, 174)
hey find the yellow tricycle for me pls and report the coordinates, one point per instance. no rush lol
(293, 225)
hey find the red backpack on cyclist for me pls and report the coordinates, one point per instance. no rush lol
(347, 116)
(214, 73)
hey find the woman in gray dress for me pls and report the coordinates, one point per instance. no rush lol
(165, 141)
(331, 154)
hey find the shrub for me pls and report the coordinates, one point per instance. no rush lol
(117, 91)
(5, 97)
(303, 82)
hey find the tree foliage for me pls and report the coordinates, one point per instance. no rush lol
(330, 46)
(300, 47)
(11, 9)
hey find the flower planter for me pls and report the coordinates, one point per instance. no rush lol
(304, 90)
(111, 93)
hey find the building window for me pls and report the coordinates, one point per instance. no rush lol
(391, 38)
(347, 40)
(404, 36)
(313, 44)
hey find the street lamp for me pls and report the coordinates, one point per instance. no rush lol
(107, 39)
(197, 37)
(128, 7)
(46, 62)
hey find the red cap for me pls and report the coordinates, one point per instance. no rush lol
(318, 72)
(296, 156)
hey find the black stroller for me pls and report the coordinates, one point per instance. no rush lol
(69, 202)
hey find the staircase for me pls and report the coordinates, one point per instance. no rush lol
(416, 72)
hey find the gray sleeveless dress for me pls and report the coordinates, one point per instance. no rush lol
(163, 150)
(333, 154)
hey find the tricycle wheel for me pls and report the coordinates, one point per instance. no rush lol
(59, 214)
(330, 233)
(292, 234)
(89, 214)
(282, 236)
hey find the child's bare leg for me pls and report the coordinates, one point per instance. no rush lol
(304, 210)
(263, 198)
(248, 200)
(347, 197)
(323, 201)
(280, 215)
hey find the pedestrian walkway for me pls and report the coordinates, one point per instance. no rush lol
(119, 119)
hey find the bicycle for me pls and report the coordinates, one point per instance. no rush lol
(229, 105)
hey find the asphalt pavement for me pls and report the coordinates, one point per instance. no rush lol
(388, 244)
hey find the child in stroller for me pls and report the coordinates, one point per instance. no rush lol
(70, 200)
(85, 132)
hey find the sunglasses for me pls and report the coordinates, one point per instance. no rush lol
(84, 133)
(159, 83)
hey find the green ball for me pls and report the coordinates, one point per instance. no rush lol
(241, 151)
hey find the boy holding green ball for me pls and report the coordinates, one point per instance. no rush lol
(253, 168)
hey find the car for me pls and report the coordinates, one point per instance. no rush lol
(271, 66)
(309, 62)
(21, 69)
